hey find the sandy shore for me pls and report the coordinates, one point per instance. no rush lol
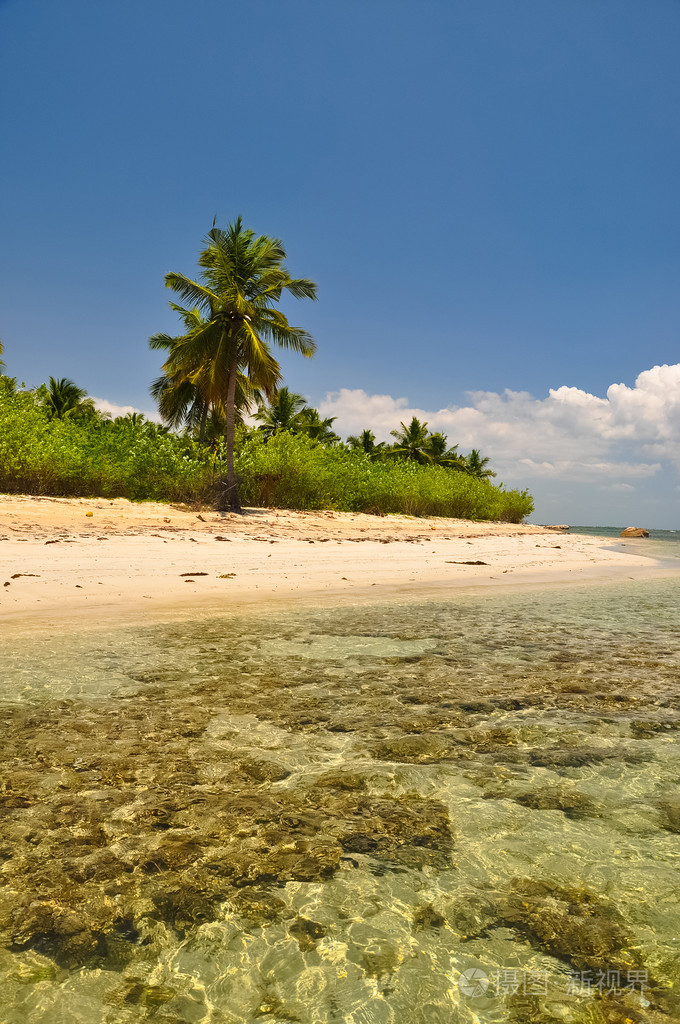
(93, 562)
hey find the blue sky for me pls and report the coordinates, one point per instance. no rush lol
(485, 192)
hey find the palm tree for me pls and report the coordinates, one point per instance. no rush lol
(179, 398)
(442, 455)
(180, 403)
(242, 279)
(412, 442)
(2, 365)
(310, 423)
(476, 465)
(282, 413)
(64, 399)
(133, 419)
(365, 442)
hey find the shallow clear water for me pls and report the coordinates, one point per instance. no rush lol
(662, 544)
(437, 812)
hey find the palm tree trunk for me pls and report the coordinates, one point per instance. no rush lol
(229, 496)
(204, 420)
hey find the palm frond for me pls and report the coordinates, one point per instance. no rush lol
(161, 341)
(190, 290)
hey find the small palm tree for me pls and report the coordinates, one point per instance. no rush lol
(365, 442)
(282, 412)
(476, 466)
(133, 419)
(412, 442)
(310, 423)
(243, 278)
(64, 399)
(2, 365)
(442, 455)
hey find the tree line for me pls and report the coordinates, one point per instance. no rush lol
(286, 411)
(221, 366)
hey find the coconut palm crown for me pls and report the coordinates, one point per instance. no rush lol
(478, 466)
(282, 412)
(412, 442)
(242, 280)
(64, 399)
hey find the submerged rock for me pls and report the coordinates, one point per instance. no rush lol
(580, 757)
(348, 780)
(185, 906)
(670, 813)
(73, 938)
(647, 728)
(306, 933)
(556, 798)
(263, 770)
(259, 906)
(571, 924)
(411, 830)
(427, 917)
(421, 748)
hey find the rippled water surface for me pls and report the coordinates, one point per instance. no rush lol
(440, 812)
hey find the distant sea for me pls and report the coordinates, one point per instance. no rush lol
(660, 543)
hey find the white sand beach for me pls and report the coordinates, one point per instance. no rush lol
(84, 561)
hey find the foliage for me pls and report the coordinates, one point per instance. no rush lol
(311, 424)
(293, 471)
(478, 466)
(243, 278)
(415, 443)
(412, 442)
(181, 398)
(287, 411)
(94, 456)
(130, 457)
(365, 442)
(63, 399)
(281, 413)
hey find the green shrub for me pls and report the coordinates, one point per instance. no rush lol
(294, 472)
(94, 457)
(137, 460)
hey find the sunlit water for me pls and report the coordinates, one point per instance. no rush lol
(661, 544)
(441, 812)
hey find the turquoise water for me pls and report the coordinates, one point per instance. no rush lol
(663, 544)
(460, 811)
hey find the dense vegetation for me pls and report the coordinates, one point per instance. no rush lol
(81, 452)
(91, 455)
(217, 371)
(298, 472)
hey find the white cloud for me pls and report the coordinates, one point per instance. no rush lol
(124, 410)
(565, 470)
(569, 435)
